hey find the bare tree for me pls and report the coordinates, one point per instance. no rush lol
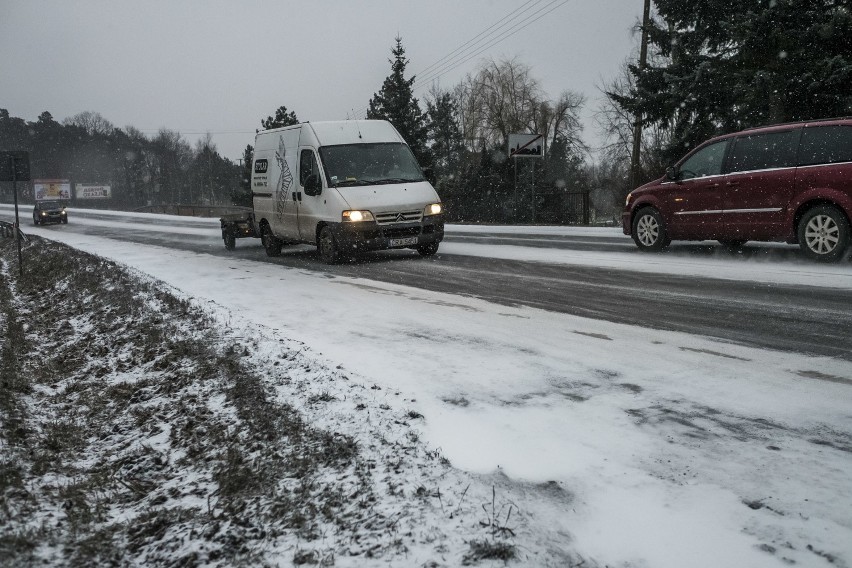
(503, 97)
(92, 122)
(618, 128)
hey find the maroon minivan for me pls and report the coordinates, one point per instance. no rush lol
(788, 182)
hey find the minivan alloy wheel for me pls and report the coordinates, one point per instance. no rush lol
(822, 234)
(648, 230)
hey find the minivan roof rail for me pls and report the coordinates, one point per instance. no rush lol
(797, 122)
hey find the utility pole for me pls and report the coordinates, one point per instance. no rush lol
(635, 170)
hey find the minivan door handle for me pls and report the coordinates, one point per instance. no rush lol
(733, 184)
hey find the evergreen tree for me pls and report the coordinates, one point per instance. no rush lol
(395, 103)
(445, 135)
(242, 194)
(727, 65)
(282, 118)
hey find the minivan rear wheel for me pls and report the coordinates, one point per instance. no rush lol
(824, 233)
(649, 230)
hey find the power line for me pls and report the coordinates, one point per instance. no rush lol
(487, 31)
(505, 35)
(454, 61)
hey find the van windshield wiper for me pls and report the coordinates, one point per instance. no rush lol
(348, 182)
(395, 180)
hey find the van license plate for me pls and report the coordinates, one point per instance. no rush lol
(403, 242)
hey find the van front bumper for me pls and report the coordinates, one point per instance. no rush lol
(364, 236)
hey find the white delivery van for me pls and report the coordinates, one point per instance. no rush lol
(346, 186)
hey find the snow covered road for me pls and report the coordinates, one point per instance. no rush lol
(669, 449)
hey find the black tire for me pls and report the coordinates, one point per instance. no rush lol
(270, 242)
(824, 233)
(649, 230)
(428, 249)
(35, 221)
(230, 240)
(65, 221)
(327, 247)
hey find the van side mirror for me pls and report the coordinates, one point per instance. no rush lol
(672, 174)
(429, 174)
(313, 185)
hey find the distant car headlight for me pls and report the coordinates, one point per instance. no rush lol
(433, 209)
(44, 213)
(356, 216)
(63, 212)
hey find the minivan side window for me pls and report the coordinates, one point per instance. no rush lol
(825, 145)
(705, 162)
(764, 151)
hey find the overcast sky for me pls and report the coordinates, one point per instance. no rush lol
(220, 67)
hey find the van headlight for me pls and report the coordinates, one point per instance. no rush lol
(356, 216)
(433, 209)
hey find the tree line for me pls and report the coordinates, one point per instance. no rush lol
(162, 169)
(713, 67)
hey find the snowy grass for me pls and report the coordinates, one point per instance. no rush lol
(135, 432)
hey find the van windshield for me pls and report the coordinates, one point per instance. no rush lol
(369, 164)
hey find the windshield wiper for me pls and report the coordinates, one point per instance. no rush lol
(347, 182)
(395, 180)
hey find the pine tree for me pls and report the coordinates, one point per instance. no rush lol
(395, 103)
(445, 135)
(727, 65)
(282, 118)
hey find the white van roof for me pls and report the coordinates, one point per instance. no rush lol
(354, 132)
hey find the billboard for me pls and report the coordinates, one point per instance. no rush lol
(526, 146)
(91, 191)
(51, 189)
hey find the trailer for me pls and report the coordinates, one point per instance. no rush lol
(239, 225)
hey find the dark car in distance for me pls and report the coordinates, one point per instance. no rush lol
(49, 212)
(787, 182)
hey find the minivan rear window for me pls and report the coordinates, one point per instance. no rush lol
(825, 145)
(764, 151)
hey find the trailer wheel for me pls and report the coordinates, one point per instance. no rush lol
(230, 240)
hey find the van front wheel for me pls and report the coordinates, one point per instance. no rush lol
(649, 230)
(327, 246)
(428, 249)
(824, 233)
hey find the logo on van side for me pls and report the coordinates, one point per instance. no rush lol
(260, 166)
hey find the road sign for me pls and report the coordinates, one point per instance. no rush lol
(526, 146)
(20, 161)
